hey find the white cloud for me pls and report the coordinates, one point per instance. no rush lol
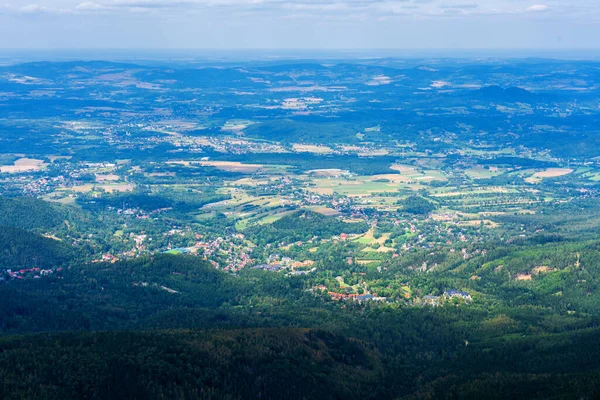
(537, 8)
(33, 9)
(89, 6)
(460, 6)
(428, 9)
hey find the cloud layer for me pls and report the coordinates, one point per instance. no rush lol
(415, 8)
(300, 23)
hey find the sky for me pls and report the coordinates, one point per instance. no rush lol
(300, 24)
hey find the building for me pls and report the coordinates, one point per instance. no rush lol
(453, 293)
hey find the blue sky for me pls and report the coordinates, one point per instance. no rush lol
(309, 24)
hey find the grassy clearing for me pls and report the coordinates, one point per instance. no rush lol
(236, 125)
(324, 210)
(117, 187)
(483, 173)
(311, 148)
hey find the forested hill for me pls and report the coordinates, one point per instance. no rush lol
(369, 353)
(301, 226)
(22, 249)
(42, 216)
(238, 364)
(118, 295)
(29, 213)
(27, 228)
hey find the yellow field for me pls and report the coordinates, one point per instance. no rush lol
(553, 172)
(548, 173)
(404, 169)
(23, 165)
(117, 187)
(106, 177)
(80, 188)
(231, 166)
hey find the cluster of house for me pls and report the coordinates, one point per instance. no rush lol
(341, 238)
(355, 296)
(30, 184)
(347, 296)
(448, 295)
(35, 273)
(238, 261)
(107, 258)
(235, 256)
(312, 199)
(210, 247)
(34, 186)
(276, 262)
(238, 256)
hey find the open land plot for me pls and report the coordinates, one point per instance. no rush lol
(230, 166)
(380, 249)
(321, 191)
(360, 186)
(369, 238)
(548, 173)
(477, 222)
(404, 169)
(393, 178)
(60, 197)
(324, 210)
(107, 177)
(312, 148)
(487, 152)
(364, 261)
(365, 189)
(117, 187)
(160, 174)
(275, 169)
(180, 125)
(483, 173)
(593, 176)
(553, 172)
(379, 202)
(430, 162)
(23, 165)
(261, 218)
(374, 153)
(254, 182)
(55, 157)
(90, 187)
(269, 219)
(413, 173)
(329, 172)
(233, 166)
(78, 188)
(431, 175)
(472, 192)
(236, 125)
